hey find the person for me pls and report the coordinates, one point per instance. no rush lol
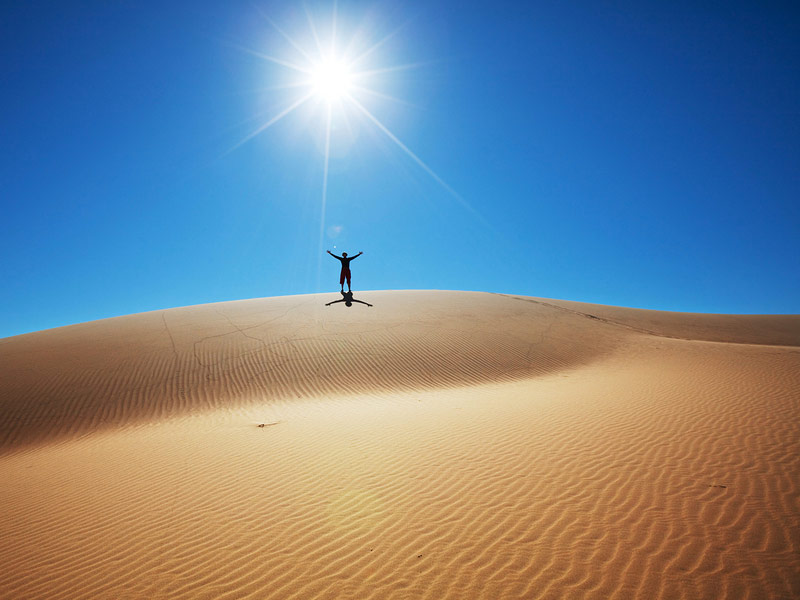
(347, 298)
(345, 274)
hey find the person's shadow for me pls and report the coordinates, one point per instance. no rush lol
(347, 298)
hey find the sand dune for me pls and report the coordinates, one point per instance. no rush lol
(437, 445)
(64, 382)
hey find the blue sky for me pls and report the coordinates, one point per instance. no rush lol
(627, 153)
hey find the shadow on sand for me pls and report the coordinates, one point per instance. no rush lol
(347, 298)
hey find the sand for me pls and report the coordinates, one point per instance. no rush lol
(436, 445)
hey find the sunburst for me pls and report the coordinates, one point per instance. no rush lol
(333, 75)
(331, 79)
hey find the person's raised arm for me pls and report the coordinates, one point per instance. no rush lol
(332, 254)
(357, 255)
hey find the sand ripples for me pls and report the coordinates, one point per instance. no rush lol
(641, 467)
(66, 382)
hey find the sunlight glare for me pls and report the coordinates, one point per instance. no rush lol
(331, 79)
(338, 82)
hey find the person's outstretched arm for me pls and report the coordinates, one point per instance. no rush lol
(357, 255)
(333, 255)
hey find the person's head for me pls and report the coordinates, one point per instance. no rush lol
(344, 253)
(348, 303)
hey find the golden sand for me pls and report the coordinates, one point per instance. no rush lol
(437, 445)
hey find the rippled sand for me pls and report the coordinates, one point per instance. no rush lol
(436, 445)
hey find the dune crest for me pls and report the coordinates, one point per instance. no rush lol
(770, 330)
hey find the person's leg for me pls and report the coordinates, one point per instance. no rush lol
(341, 279)
(348, 281)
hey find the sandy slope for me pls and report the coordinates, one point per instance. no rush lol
(439, 444)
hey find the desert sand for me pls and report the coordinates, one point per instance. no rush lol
(437, 445)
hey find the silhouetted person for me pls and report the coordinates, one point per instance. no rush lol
(347, 298)
(345, 274)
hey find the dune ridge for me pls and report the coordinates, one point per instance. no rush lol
(155, 365)
(593, 460)
(769, 330)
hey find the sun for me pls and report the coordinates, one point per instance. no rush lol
(335, 72)
(331, 79)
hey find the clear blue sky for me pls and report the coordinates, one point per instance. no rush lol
(630, 153)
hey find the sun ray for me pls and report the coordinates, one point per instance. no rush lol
(273, 120)
(313, 28)
(278, 61)
(333, 31)
(378, 44)
(289, 85)
(285, 35)
(414, 157)
(405, 67)
(256, 117)
(348, 123)
(284, 86)
(377, 94)
(324, 191)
